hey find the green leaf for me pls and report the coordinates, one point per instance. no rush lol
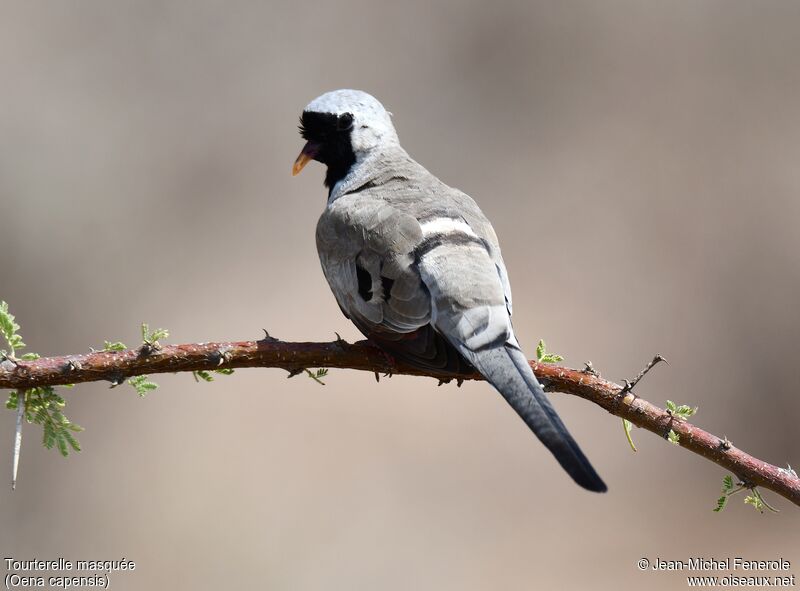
(109, 347)
(71, 440)
(542, 356)
(155, 336)
(320, 373)
(41, 416)
(7, 325)
(61, 442)
(48, 436)
(541, 348)
(202, 374)
(721, 502)
(158, 334)
(43, 405)
(763, 501)
(727, 483)
(682, 411)
(626, 424)
(142, 385)
(673, 437)
(755, 502)
(552, 358)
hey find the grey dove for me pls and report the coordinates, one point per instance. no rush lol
(416, 266)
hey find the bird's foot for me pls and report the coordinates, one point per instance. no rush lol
(391, 363)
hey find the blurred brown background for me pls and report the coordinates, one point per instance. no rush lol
(639, 161)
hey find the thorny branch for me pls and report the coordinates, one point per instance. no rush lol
(297, 357)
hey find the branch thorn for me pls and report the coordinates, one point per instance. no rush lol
(589, 368)
(629, 386)
(220, 356)
(148, 349)
(268, 338)
(116, 380)
(10, 358)
(72, 365)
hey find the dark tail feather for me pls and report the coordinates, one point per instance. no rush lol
(508, 371)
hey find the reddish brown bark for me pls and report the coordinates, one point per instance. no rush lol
(115, 367)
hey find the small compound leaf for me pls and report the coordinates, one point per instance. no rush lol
(627, 425)
(61, 441)
(202, 374)
(551, 358)
(142, 385)
(755, 502)
(109, 347)
(71, 440)
(541, 349)
(727, 483)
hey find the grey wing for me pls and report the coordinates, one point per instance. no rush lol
(472, 215)
(501, 271)
(471, 303)
(366, 250)
(368, 253)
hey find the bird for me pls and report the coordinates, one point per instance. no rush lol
(416, 265)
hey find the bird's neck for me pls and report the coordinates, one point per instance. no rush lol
(338, 169)
(367, 167)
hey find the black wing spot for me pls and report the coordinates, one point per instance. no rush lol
(387, 288)
(364, 283)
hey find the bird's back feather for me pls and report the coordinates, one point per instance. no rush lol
(417, 267)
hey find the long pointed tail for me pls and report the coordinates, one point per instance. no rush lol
(506, 368)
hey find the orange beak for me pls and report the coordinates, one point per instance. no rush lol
(307, 154)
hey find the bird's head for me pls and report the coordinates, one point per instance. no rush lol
(341, 128)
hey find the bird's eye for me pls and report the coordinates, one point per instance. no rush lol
(344, 122)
